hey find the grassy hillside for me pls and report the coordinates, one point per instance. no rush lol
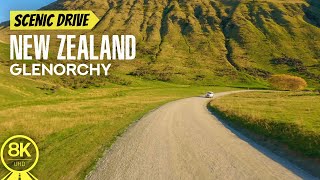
(263, 32)
(292, 118)
(208, 42)
(74, 127)
(217, 42)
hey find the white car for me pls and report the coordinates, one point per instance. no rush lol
(209, 94)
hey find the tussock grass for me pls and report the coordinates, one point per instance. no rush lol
(73, 127)
(292, 118)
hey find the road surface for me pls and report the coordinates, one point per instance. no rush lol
(182, 140)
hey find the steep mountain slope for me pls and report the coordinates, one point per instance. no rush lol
(263, 32)
(227, 42)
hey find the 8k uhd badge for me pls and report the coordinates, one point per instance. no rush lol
(19, 154)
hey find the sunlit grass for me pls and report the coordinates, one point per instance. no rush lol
(73, 130)
(290, 117)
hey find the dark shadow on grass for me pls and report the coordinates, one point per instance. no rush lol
(312, 13)
(273, 150)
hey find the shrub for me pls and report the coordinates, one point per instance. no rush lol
(258, 72)
(317, 90)
(154, 73)
(49, 89)
(287, 82)
(118, 80)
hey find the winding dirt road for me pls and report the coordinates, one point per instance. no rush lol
(182, 140)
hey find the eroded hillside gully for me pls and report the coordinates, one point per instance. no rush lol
(224, 12)
(226, 26)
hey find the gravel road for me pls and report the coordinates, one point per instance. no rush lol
(182, 140)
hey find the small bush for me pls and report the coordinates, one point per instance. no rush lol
(258, 72)
(49, 89)
(118, 80)
(154, 73)
(287, 82)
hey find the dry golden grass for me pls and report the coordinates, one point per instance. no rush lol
(72, 129)
(287, 82)
(292, 118)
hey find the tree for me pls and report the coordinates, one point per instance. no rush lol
(287, 82)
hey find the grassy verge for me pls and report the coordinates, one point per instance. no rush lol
(292, 118)
(73, 127)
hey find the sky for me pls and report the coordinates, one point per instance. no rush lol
(7, 5)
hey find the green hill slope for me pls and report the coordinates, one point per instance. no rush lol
(216, 42)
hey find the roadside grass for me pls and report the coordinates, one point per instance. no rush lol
(74, 127)
(292, 118)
